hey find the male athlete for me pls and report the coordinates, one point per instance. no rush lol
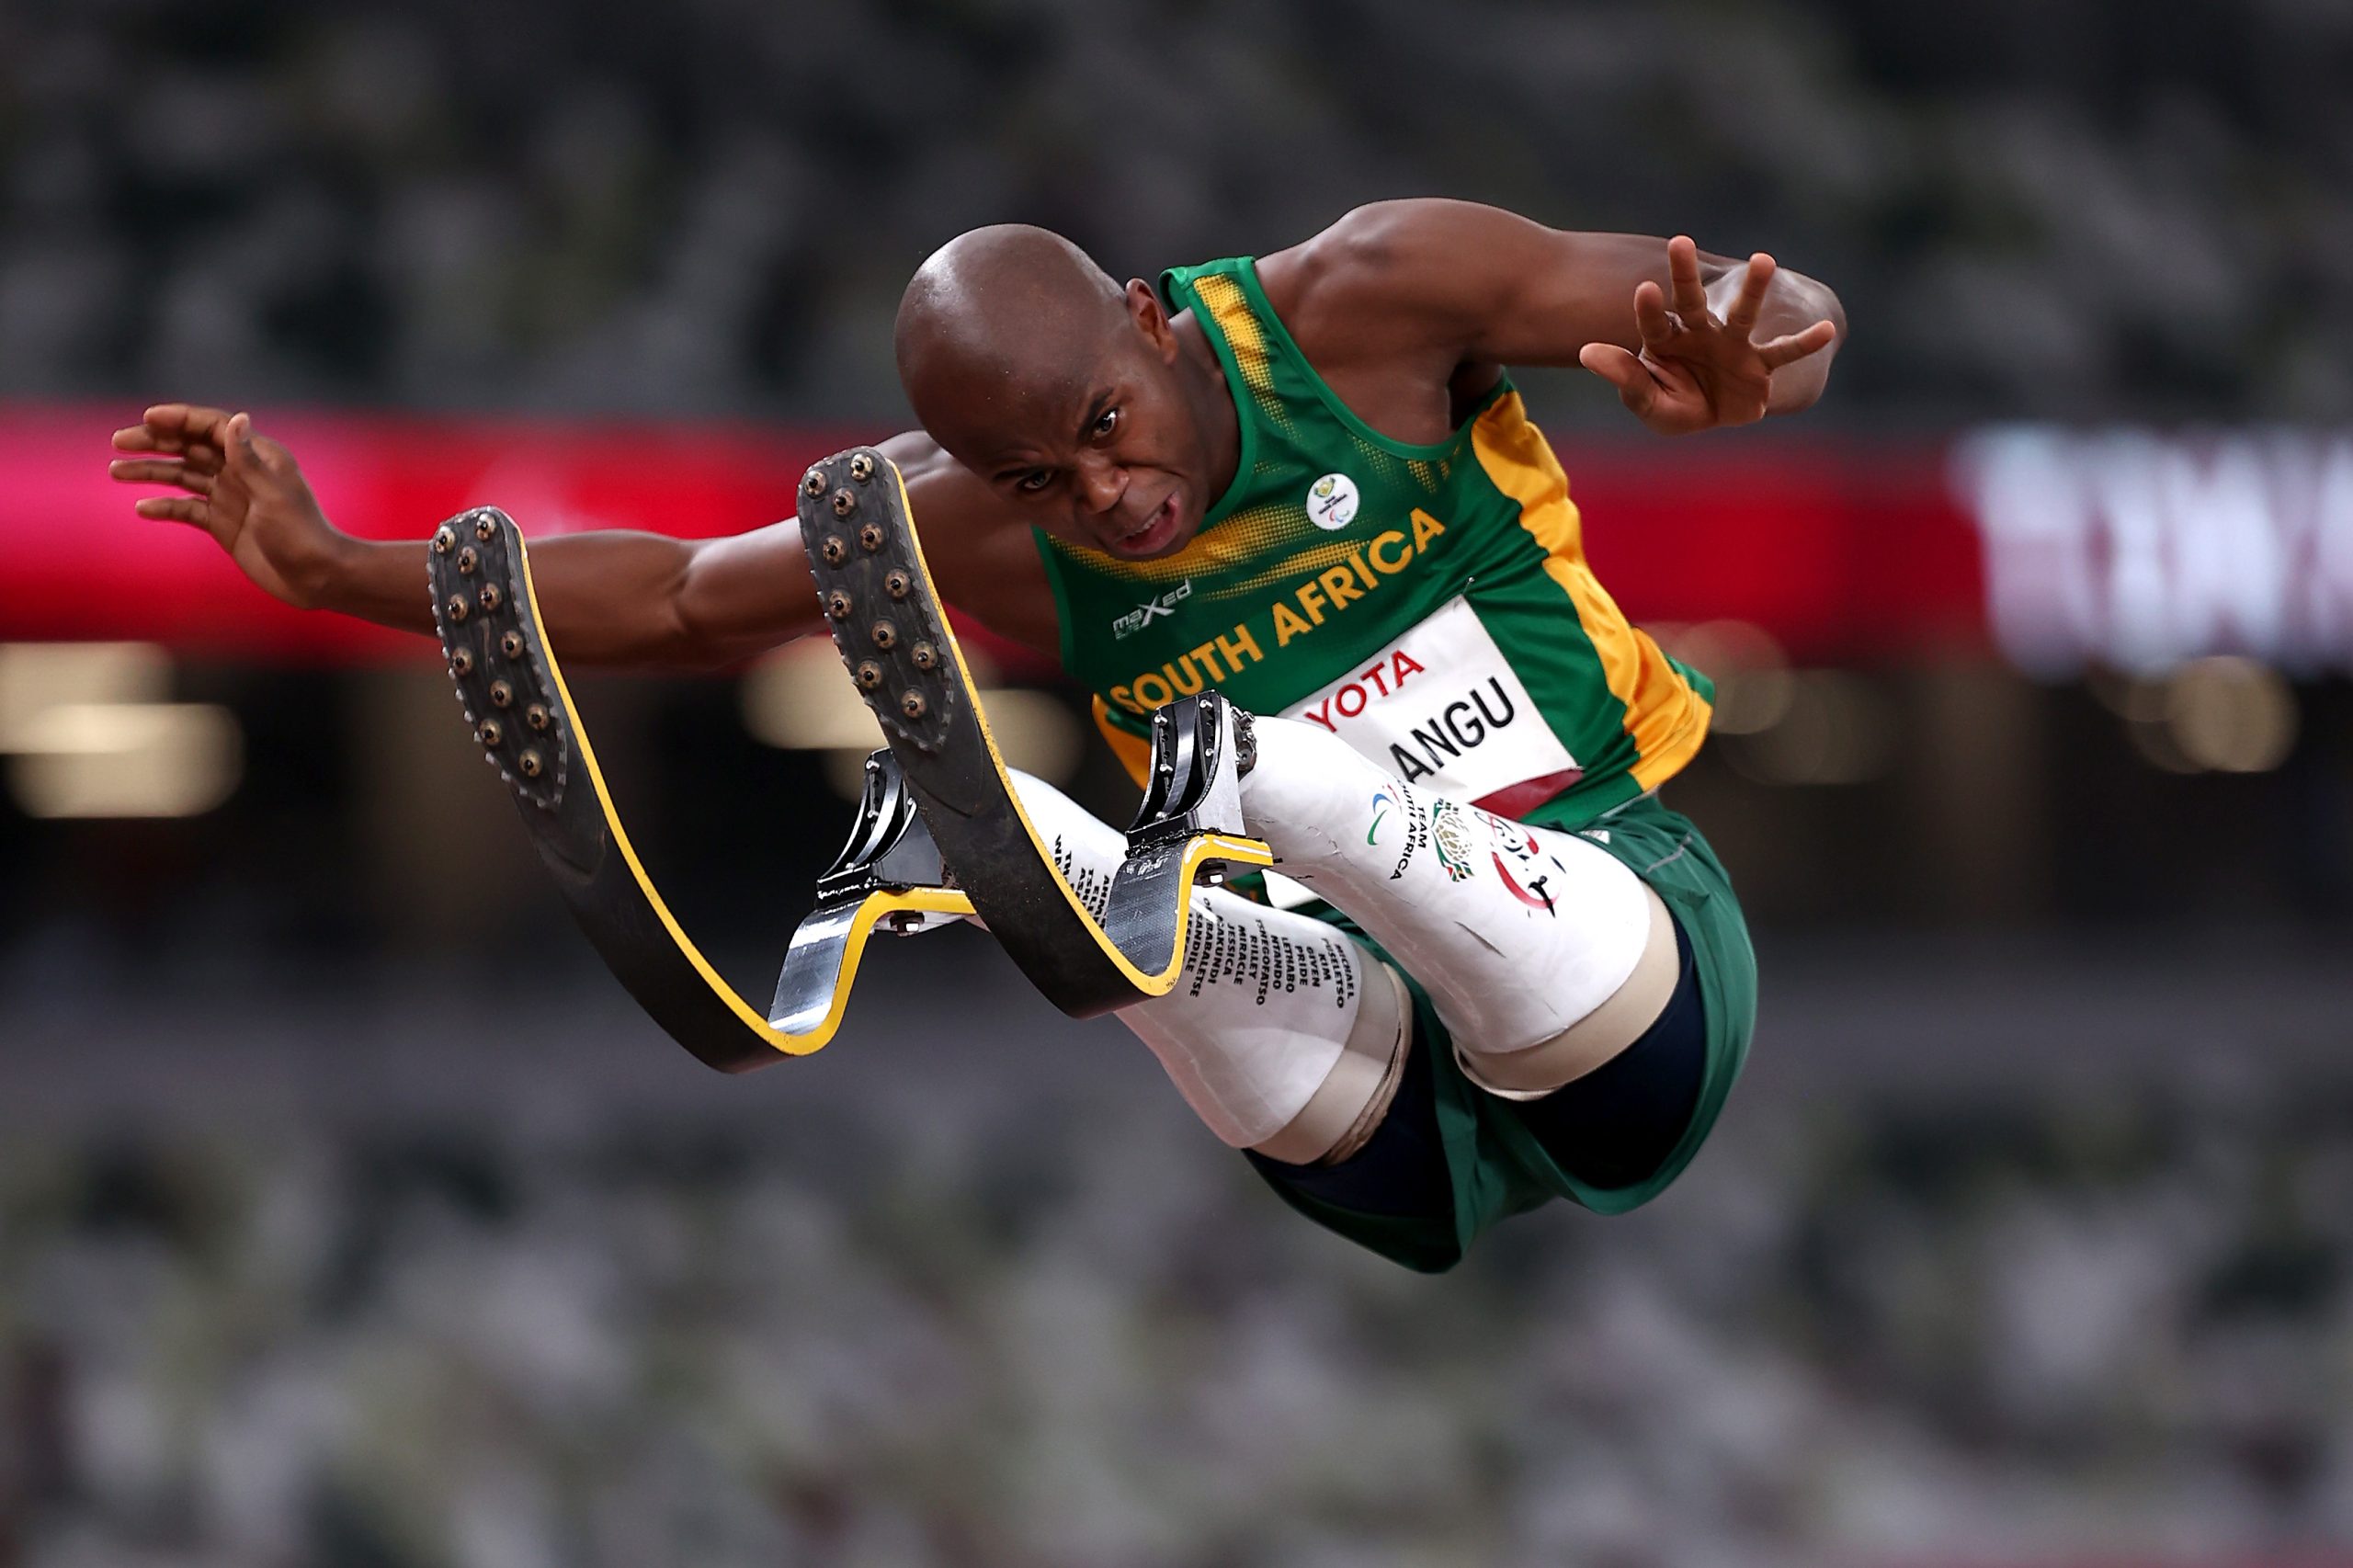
(1307, 481)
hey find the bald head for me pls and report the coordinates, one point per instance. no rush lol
(1000, 314)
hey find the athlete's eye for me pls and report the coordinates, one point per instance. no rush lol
(1106, 424)
(1030, 483)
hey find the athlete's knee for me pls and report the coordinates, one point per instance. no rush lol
(1508, 1056)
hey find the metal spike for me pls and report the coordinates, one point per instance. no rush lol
(529, 763)
(812, 484)
(844, 503)
(461, 662)
(925, 656)
(868, 675)
(467, 561)
(491, 597)
(443, 537)
(886, 636)
(837, 605)
(898, 585)
(511, 644)
(834, 550)
(862, 467)
(501, 694)
(913, 705)
(485, 529)
(459, 608)
(871, 536)
(491, 733)
(537, 717)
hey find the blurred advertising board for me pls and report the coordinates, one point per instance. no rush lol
(2135, 551)
(2059, 547)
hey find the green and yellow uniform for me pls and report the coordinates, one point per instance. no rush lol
(1433, 607)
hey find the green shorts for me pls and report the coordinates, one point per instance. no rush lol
(1496, 1165)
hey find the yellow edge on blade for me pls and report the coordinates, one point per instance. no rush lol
(1239, 851)
(936, 901)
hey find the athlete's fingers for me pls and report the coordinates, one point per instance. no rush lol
(172, 427)
(1608, 361)
(191, 509)
(1742, 317)
(200, 459)
(162, 470)
(252, 453)
(1636, 388)
(1690, 295)
(188, 421)
(1797, 345)
(1649, 316)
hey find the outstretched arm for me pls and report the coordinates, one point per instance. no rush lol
(1690, 340)
(609, 598)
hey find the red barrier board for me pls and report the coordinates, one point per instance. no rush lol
(1842, 551)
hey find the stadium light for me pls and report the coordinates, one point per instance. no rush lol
(92, 736)
(38, 676)
(127, 759)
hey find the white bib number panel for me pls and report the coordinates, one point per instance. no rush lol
(1443, 709)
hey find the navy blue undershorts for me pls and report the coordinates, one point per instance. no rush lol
(1612, 1128)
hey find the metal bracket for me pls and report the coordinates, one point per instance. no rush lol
(888, 849)
(1200, 747)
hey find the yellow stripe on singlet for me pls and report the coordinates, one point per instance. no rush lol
(1666, 718)
(1226, 301)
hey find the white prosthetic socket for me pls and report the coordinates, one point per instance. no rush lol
(1282, 1034)
(1542, 953)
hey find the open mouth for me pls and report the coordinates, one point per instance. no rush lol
(1154, 532)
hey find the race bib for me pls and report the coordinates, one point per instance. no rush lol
(1442, 707)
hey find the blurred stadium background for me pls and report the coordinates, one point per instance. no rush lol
(349, 1214)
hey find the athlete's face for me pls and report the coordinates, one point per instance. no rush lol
(1110, 454)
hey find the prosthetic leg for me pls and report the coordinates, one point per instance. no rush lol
(513, 693)
(938, 808)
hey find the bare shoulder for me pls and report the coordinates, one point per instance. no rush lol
(1376, 284)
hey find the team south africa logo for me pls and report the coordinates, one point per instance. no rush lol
(1456, 839)
(1332, 502)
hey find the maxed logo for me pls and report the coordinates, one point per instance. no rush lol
(1145, 613)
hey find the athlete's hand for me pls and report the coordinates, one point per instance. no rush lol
(243, 489)
(1698, 370)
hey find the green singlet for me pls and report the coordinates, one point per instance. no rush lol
(1432, 605)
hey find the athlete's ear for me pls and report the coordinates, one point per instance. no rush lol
(1145, 310)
